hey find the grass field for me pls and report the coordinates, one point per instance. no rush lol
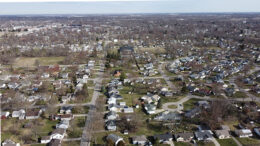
(31, 61)
(248, 141)
(227, 142)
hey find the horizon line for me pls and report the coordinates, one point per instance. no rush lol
(147, 13)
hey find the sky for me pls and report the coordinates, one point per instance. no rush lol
(23, 7)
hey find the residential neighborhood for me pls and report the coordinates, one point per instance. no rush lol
(130, 80)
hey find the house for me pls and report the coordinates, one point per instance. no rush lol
(128, 110)
(4, 115)
(65, 75)
(3, 86)
(168, 116)
(204, 104)
(222, 134)
(243, 133)
(116, 96)
(18, 114)
(111, 125)
(64, 124)
(65, 109)
(150, 108)
(111, 100)
(114, 139)
(33, 114)
(184, 137)
(230, 91)
(204, 135)
(139, 140)
(114, 107)
(167, 137)
(111, 115)
(64, 117)
(55, 142)
(65, 99)
(58, 134)
(91, 63)
(257, 131)
(45, 75)
(151, 99)
(12, 85)
(9, 142)
(193, 112)
(122, 103)
(126, 52)
(45, 139)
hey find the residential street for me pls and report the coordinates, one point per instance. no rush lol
(86, 135)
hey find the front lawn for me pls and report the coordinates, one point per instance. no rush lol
(202, 143)
(248, 141)
(182, 144)
(227, 142)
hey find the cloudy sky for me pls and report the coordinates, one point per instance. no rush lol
(14, 7)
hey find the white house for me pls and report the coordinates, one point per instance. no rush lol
(9, 142)
(64, 124)
(45, 139)
(58, 134)
(111, 100)
(18, 114)
(243, 133)
(222, 134)
(128, 110)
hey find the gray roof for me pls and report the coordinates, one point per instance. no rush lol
(163, 137)
(139, 138)
(203, 134)
(114, 137)
(186, 135)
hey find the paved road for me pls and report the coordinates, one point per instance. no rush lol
(87, 132)
(166, 78)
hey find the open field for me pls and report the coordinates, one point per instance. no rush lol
(31, 61)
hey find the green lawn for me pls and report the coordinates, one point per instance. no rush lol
(190, 104)
(248, 141)
(47, 127)
(227, 142)
(130, 99)
(172, 106)
(182, 144)
(201, 143)
(170, 99)
(31, 61)
(240, 94)
(71, 143)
